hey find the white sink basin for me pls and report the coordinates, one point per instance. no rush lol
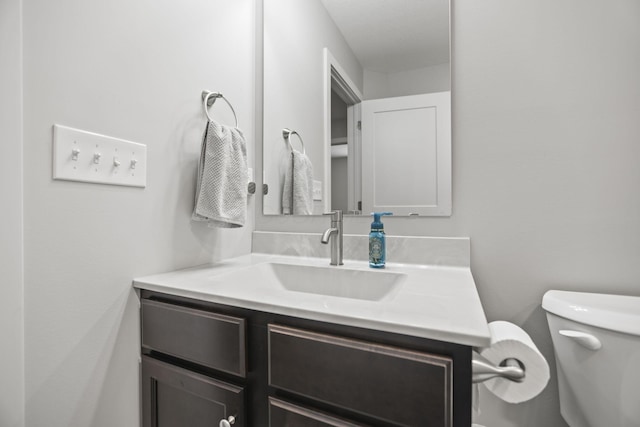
(428, 301)
(336, 281)
(330, 281)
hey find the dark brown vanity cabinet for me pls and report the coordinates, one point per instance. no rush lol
(188, 344)
(204, 362)
(391, 384)
(176, 397)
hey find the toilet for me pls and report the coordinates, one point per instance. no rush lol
(596, 341)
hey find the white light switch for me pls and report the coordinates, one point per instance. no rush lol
(89, 157)
(317, 190)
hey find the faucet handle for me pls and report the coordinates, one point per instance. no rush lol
(335, 215)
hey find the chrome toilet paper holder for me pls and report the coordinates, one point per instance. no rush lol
(482, 369)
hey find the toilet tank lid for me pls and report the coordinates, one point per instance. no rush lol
(614, 312)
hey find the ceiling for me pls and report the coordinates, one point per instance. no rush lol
(394, 35)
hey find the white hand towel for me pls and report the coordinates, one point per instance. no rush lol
(221, 187)
(297, 192)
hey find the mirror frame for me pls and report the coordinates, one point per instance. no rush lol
(300, 223)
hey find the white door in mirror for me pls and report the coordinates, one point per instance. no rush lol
(406, 155)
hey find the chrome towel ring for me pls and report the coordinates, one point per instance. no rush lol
(286, 133)
(209, 98)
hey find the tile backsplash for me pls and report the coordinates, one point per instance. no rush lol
(441, 251)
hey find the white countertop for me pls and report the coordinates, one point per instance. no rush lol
(433, 302)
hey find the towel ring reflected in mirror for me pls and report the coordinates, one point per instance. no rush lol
(209, 98)
(286, 134)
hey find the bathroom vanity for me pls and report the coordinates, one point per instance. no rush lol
(256, 342)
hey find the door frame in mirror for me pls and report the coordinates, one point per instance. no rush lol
(335, 76)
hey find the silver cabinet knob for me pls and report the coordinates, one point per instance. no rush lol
(228, 422)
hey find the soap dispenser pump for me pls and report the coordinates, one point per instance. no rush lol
(377, 244)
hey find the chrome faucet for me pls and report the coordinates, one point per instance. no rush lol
(336, 231)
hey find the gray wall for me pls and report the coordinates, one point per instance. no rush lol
(132, 70)
(436, 78)
(11, 278)
(546, 142)
(546, 148)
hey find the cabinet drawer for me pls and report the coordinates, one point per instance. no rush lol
(285, 414)
(176, 397)
(394, 385)
(209, 339)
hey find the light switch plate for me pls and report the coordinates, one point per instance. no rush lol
(90, 157)
(317, 190)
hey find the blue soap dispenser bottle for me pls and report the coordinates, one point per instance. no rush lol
(377, 244)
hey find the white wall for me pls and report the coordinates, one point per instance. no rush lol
(296, 32)
(11, 282)
(546, 100)
(133, 70)
(436, 78)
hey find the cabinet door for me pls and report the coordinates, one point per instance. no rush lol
(393, 385)
(176, 397)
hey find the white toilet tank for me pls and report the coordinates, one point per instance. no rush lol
(596, 339)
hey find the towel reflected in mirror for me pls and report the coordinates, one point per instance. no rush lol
(297, 191)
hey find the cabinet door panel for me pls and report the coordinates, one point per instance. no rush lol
(206, 338)
(393, 385)
(175, 397)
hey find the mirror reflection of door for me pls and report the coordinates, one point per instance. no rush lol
(345, 139)
(407, 154)
(339, 153)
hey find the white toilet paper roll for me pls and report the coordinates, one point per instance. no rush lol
(510, 341)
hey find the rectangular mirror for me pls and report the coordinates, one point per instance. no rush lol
(357, 107)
